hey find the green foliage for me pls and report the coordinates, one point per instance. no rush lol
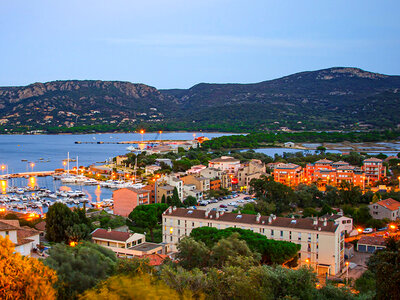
(190, 201)
(80, 268)
(272, 251)
(148, 216)
(73, 227)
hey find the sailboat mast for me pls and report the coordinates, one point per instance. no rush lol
(68, 163)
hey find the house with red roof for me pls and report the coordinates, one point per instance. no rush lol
(388, 208)
(25, 239)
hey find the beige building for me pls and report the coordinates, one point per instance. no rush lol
(174, 181)
(163, 190)
(322, 243)
(253, 169)
(213, 173)
(125, 244)
(225, 163)
(201, 183)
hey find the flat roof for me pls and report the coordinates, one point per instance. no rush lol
(145, 246)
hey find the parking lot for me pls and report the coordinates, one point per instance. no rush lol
(239, 200)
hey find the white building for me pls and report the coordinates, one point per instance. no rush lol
(322, 243)
(225, 163)
(25, 239)
(173, 181)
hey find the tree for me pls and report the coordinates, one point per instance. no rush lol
(81, 267)
(148, 216)
(190, 201)
(142, 286)
(58, 218)
(23, 277)
(192, 254)
(163, 200)
(175, 201)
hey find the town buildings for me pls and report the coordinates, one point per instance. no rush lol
(385, 209)
(322, 241)
(326, 172)
(225, 163)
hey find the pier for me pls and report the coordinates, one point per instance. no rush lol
(28, 174)
(140, 142)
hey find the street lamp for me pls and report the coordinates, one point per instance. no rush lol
(32, 165)
(142, 132)
(347, 272)
(399, 181)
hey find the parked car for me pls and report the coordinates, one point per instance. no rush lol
(232, 203)
(247, 198)
(223, 206)
(240, 201)
(368, 230)
(203, 203)
(222, 209)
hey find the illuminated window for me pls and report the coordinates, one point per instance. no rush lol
(171, 230)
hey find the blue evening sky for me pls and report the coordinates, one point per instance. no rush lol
(178, 43)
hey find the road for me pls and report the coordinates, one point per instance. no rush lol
(225, 201)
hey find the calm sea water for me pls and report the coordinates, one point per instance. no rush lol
(53, 148)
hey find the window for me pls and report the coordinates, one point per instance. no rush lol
(309, 248)
(281, 233)
(7, 233)
(179, 222)
(272, 232)
(299, 236)
(192, 224)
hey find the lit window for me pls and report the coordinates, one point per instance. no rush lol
(171, 230)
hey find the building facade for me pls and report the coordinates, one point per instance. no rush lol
(385, 209)
(126, 199)
(322, 243)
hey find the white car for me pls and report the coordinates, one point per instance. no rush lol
(232, 203)
(368, 230)
(240, 201)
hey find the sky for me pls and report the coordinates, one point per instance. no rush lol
(179, 43)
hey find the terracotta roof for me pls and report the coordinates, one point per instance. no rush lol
(372, 240)
(287, 166)
(390, 204)
(26, 232)
(348, 167)
(6, 226)
(340, 163)
(323, 161)
(41, 226)
(372, 159)
(306, 223)
(23, 242)
(111, 235)
(224, 159)
(14, 223)
(154, 259)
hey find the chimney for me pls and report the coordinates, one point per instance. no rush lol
(325, 222)
(319, 228)
(174, 208)
(258, 218)
(315, 221)
(109, 229)
(217, 215)
(206, 213)
(222, 213)
(273, 217)
(269, 220)
(170, 210)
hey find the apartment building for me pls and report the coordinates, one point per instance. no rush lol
(201, 183)
(289, 174)
(253, 169)
(225, 163)
(126, 199)
(214, 174)
(163, 190)
(322, 242)
(174, 181)
(374, 169)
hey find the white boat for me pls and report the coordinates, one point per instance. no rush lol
(20, 191)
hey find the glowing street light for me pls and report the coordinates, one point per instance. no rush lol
(359, 230)
(32, 165)
(347, 272)
(73, 244)
(392, 227)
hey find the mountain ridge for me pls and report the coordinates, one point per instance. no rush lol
(339, 97)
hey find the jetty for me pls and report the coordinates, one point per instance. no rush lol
(177, 142)
(28, 174)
